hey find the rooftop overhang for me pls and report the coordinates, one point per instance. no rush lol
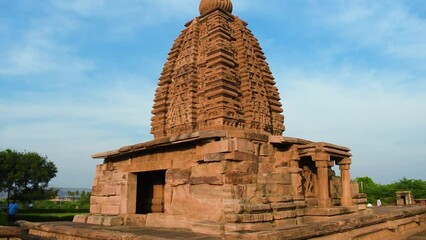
(315, 150)
(161, 142)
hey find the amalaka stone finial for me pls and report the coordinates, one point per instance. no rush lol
(207, 6)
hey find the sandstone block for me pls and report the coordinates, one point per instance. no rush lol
(285, 222)
(168, 196)
(232, 206)
(232, 218)
(213, 180)
(211, 192)
(249, 167)
(109, 189)
(283, 205)
(251, 218)
(266, 167)
(210, 173)
(233, 227)
(112, 221)
(96, 190)
(113, 200)
(203, 209)
(167, 221)
(235, 178)
(278, 189)
(208, 227)
(282, 198)
(254, 190)
(216, 147)
(257, 136)
(208, 169)
(177, 177)
(284, 215)
(271, 178)
(179, 196)
(93, 199)
(212, 133)
(238, 191)
(95, 219)
(241, 156)
(95, 209)
(165, 163)
(135, 220)
(110, 209)
(243, 145)
(104, 167)
(252, 208)
(80, 218)
(214, 157)
(266, 150)
(276, 139)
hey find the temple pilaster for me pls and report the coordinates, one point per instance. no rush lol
(323, 187)
(344, 167)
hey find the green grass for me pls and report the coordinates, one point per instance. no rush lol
(42, 216)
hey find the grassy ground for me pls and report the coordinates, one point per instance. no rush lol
(42, 216)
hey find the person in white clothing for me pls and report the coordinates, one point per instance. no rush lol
(379, 202)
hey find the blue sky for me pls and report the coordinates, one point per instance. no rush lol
(78, 77)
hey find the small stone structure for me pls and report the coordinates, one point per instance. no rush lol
(404, 198)
(218, 162)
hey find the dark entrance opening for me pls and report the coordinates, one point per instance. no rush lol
(150, 192)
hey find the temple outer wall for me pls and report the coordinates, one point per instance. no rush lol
(243, 182)
(227, 181)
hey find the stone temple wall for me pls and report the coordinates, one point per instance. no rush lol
(243, 182)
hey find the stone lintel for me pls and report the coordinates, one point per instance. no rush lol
(324, 151)
(162, 142)
(257, 136)
(274, 139)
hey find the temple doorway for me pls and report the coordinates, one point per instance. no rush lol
(150, 192)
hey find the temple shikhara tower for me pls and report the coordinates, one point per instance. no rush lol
(219, 162)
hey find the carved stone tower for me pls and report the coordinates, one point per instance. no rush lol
(216, 77)
(218, 162)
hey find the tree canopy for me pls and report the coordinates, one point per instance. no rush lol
(387, 192)
(26, 175)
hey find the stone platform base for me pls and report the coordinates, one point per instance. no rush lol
(396, 223)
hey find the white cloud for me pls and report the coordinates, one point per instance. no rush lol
(39, 49)
(129, 16)
(69, 129)
(385, 25)
(371, 111)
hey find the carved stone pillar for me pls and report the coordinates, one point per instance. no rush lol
(323, 186)
(296, 178)
(345, 175)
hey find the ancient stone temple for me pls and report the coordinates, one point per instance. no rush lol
(218, 162)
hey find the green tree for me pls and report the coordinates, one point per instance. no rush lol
(387, 192)
(70, 195)
(25, 176)
(416, 186)
(84, 201)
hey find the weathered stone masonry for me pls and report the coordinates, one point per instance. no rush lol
(218, 162)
